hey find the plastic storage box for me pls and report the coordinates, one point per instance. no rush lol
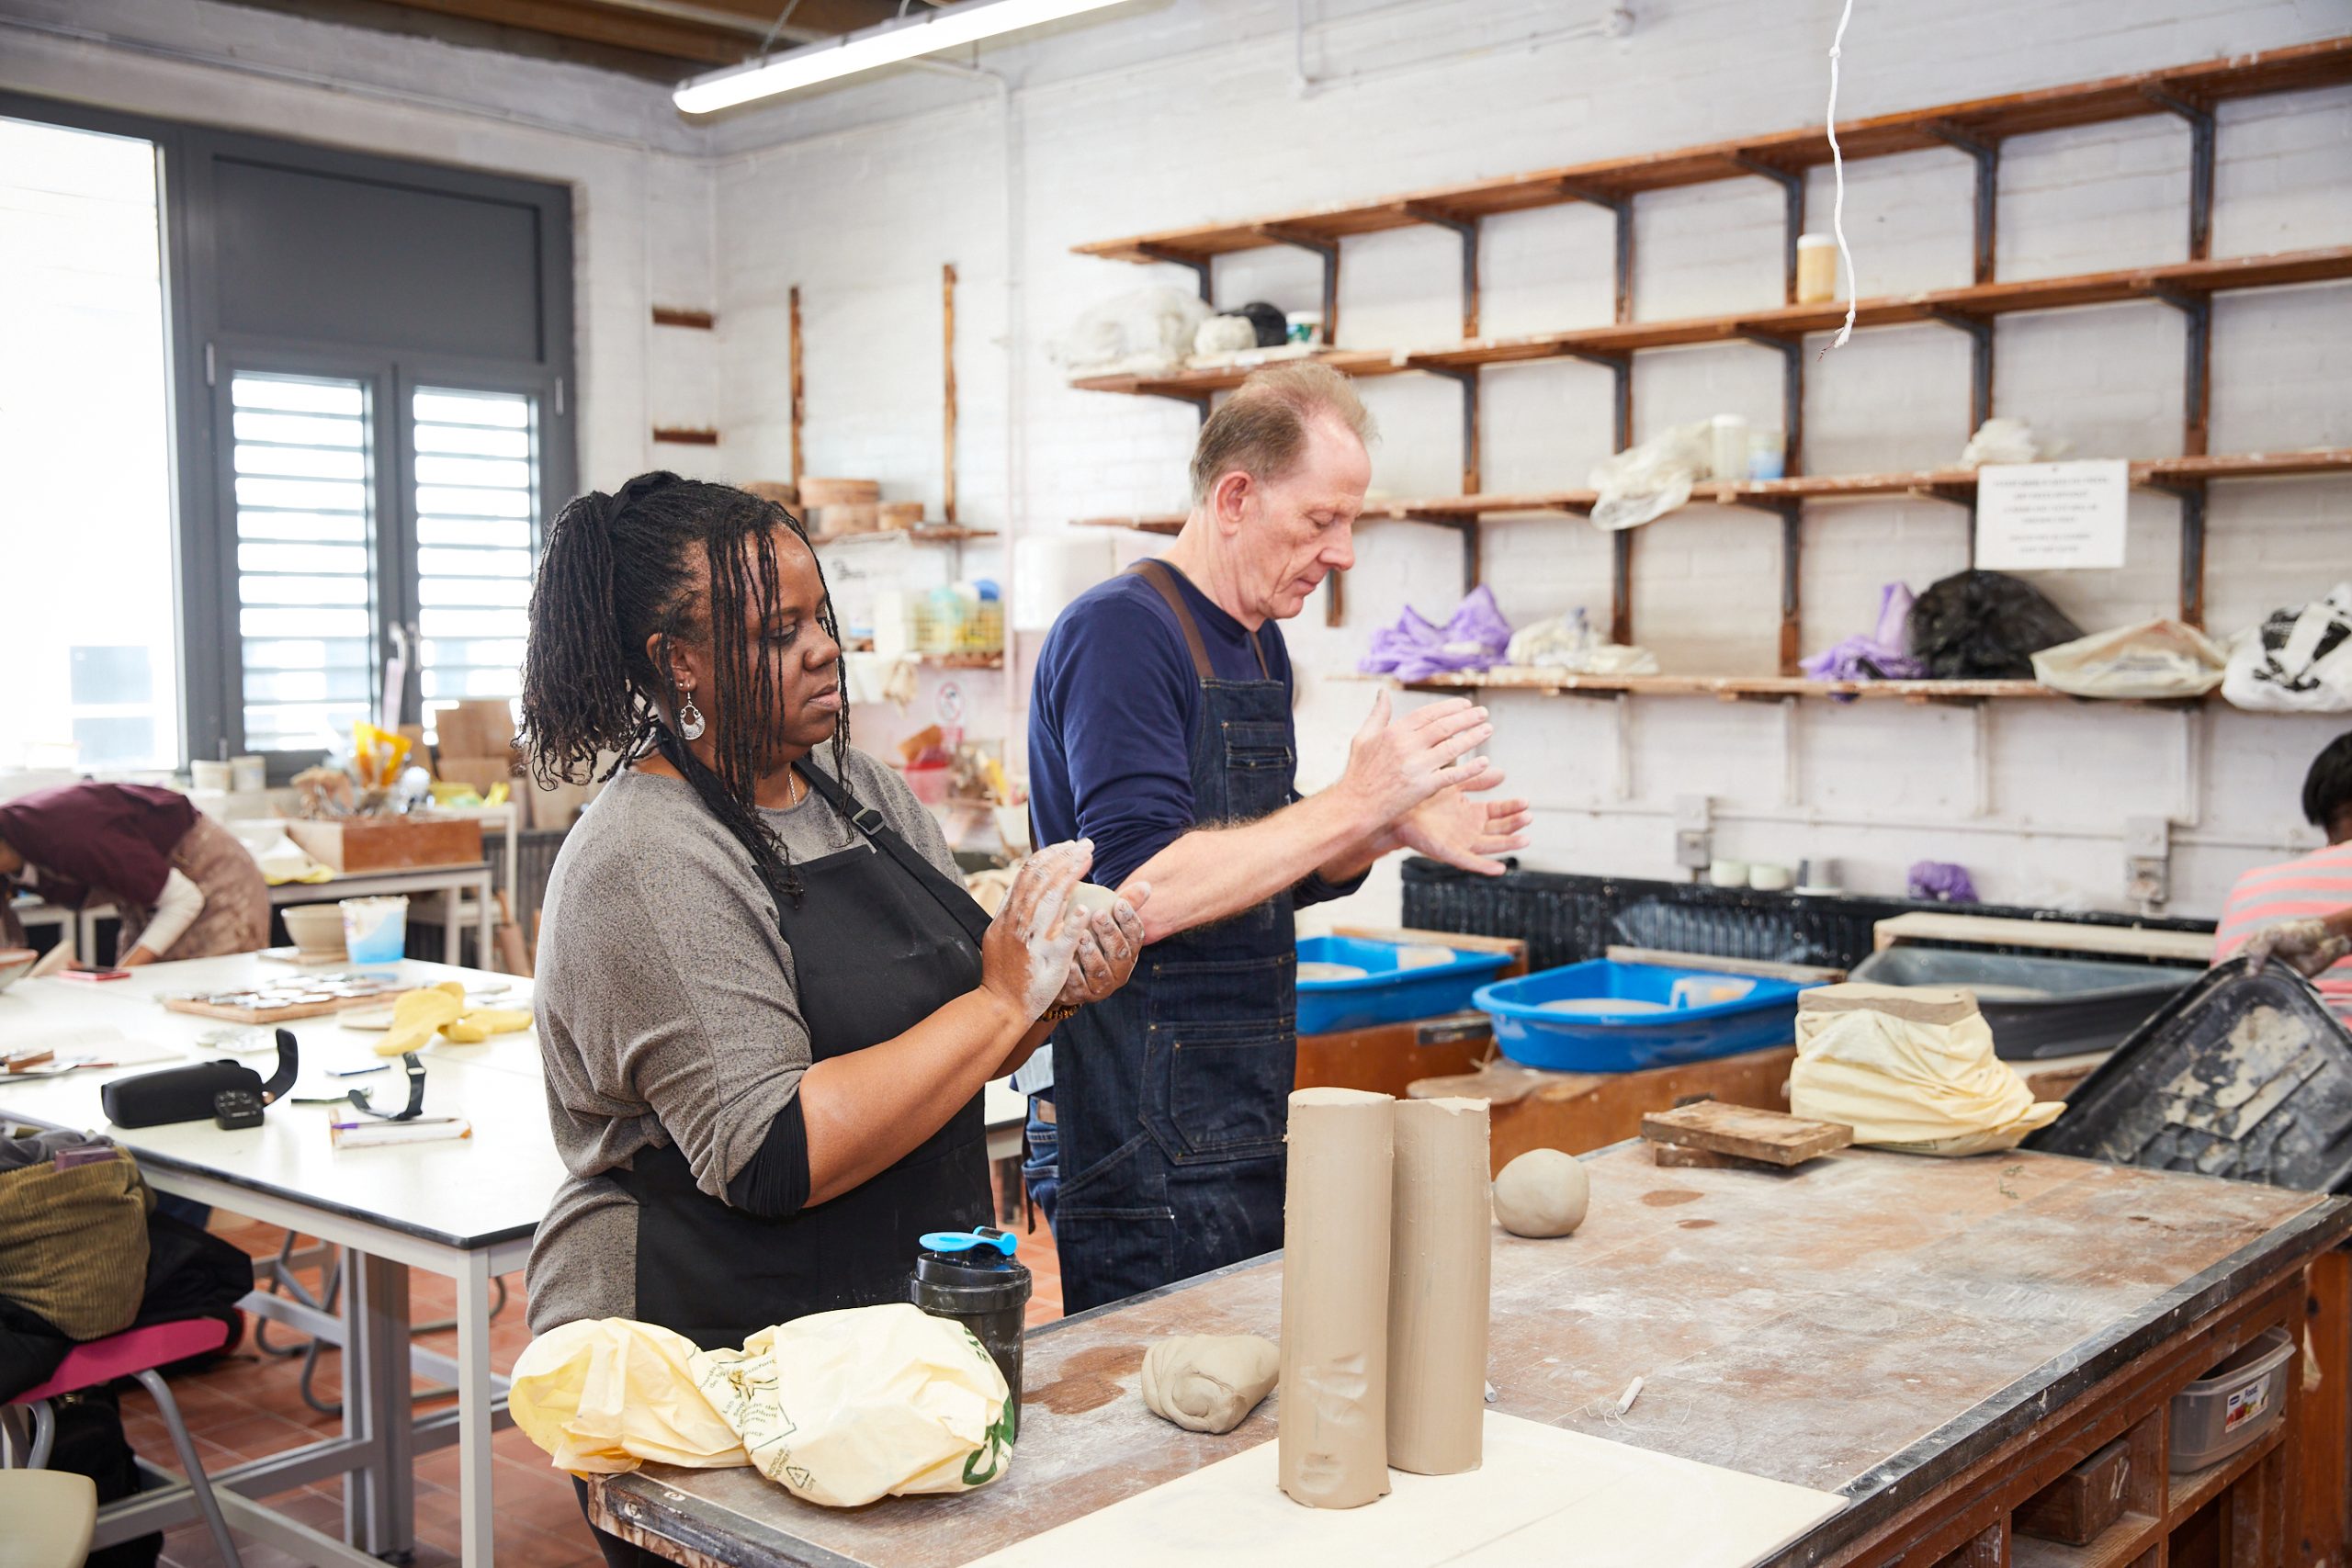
(2232, 1406)
(2038, 1006)
(1392, 991)
(1646, 1028)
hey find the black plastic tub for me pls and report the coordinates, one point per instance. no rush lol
(2038, 1006)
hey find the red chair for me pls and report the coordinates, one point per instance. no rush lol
(135, 1352)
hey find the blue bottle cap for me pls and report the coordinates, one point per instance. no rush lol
(967, 1241)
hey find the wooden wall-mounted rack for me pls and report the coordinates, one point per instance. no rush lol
(1977, 129)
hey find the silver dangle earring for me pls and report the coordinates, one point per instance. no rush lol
(690, 722)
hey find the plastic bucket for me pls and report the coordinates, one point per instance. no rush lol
(2232, 1406)
(375, 931)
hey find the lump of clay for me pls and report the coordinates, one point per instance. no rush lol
(1541, 1194)
(1207, 1382)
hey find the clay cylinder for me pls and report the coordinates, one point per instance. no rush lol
(1438, 1287)
(1333, 1425)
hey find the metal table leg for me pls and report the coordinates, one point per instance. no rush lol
(476, 1396)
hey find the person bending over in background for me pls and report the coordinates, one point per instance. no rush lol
(2299, 911)
(183, 885)
(765, 1002)
(1160, 727)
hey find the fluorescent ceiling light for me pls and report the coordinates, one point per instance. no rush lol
(870, 47)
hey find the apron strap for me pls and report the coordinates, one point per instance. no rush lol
(1163, 578)
(870, 822)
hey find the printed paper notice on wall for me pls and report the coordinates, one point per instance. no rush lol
(2051, 516)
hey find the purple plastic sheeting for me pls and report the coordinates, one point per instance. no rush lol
(1473, 638)
(1942, 881)
(1879, 654)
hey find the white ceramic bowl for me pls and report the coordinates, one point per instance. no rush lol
(315, 928)
(14, 962)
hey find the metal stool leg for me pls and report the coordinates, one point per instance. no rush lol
(44, 1435)
(206, 1503)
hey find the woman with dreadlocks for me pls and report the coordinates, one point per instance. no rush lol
(765, 1002)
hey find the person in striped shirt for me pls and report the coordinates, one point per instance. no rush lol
(2299, 911)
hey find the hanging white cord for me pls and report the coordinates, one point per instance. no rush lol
(1837, 168)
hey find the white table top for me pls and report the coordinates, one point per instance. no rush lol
(492, 1187)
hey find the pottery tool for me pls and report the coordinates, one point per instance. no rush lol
(280, 999)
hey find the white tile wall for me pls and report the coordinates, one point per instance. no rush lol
(1187, 110)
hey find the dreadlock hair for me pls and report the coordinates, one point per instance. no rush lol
(618, 569)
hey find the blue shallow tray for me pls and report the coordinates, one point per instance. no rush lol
(1622, 1042)
(1387, 994)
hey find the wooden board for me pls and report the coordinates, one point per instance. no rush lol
(1926, 925)
(1670, 1156)
(314, 1006)
(1771, 1137)
(1390, 1058)
(1875, 1328)
(355, 844)
(2081, 1503)
(1537, 1490)
(1530, 1108)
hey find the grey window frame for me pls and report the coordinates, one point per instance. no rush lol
(202, 357)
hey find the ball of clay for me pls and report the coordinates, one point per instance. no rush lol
(1541, 1194)
(1209, 1382)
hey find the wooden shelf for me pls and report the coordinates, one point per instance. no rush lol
(921, 534)
(2184, 1494)
(2113, 1547)
(1979, 302)
(1955, 485)
(961, 661)
(2326, 62)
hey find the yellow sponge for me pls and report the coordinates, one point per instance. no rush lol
(419, 1015)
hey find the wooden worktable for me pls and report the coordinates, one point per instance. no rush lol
(1923, 1336)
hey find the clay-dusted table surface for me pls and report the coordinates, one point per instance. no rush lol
(1867, 1324)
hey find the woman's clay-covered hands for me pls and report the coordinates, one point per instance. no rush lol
(1109, 946)
(1025, 955)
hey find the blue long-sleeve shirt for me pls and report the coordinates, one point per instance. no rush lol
(1111, 711)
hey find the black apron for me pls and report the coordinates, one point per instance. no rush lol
(881, 941)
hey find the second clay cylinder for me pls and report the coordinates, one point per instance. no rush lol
(1439, 1271)
(1333, 1431)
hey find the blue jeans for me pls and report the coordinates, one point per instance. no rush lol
(1041, 1171)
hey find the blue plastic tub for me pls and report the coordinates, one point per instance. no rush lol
(1651, 1031)
(1387, 993)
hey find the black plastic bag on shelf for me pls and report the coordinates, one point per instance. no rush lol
(1271, 326)
(1984, 626)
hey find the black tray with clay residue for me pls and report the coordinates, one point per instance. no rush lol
(2243, 1076)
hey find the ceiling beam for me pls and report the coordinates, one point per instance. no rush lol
(686, 41)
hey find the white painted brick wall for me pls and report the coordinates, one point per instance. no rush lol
(1185, 111)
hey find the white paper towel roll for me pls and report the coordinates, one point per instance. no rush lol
(1051, 570)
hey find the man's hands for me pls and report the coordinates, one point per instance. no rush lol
(1415, 777)
(1107, 950)
(1396, 764)
(2307, 947)
(1465, 833)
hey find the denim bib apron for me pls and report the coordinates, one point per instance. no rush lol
(1171, 1096)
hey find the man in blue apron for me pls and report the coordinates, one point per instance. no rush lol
(1159, 726)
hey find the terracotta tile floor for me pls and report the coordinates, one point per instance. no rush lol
(251, 1406)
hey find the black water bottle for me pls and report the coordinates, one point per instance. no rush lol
(973, 1278)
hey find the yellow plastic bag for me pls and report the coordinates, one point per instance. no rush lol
(841, 1408)
(1910, 1068)
(603, 1394)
